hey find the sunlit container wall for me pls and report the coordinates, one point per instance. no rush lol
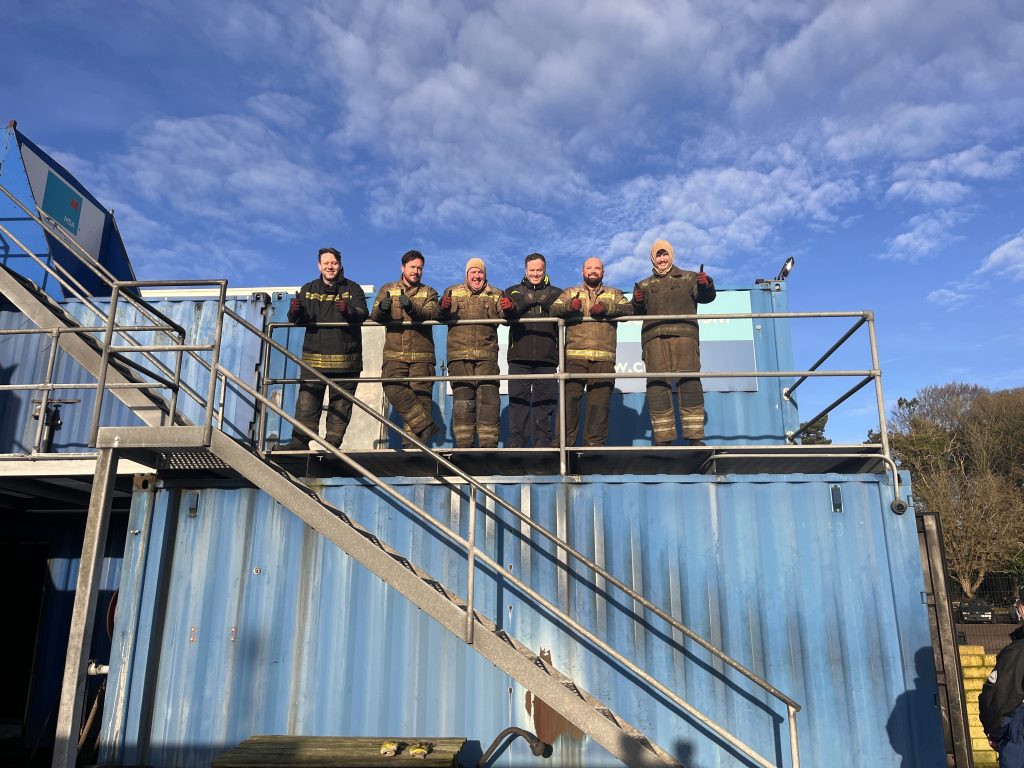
(237, 619)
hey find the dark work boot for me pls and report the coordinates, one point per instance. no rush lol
(295, 444)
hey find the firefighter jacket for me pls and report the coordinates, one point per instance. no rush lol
(408, 344)
(677, 292)
(1003, 691)
(331, 349)
(591, 340)
(477, 341)
(533, 343)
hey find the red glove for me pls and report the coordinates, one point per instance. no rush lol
(702, 278)
(342, 306)
(505, 303)
(597, 309)
(638, 295)
(295, 307)
(446, 302)
(576, 305)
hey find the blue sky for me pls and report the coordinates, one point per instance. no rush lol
(880, 143)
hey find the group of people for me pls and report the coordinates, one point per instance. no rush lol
(332, 308)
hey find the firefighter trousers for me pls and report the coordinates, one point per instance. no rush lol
(672, 355)
(475, 406)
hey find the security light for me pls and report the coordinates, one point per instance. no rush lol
(786, 269)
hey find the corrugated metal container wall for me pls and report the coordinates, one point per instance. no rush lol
(238, 619)
(738, 418)
(28, 356)
(20, 358)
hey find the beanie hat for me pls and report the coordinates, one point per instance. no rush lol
(662, 245)
(478, 263)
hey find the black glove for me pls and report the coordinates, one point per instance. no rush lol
(404, 301)
(385, 304)
(295, 306)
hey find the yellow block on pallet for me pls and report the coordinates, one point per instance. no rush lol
(971, 649)
(980, 746)
(972, 708)
(990, 660)
(976, 673)
(973, 686)
(972, 660)
(976, 731)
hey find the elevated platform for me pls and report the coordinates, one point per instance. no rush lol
(671, 460)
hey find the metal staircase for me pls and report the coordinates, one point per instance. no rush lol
(168, 435)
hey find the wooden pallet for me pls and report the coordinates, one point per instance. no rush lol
(337, 752)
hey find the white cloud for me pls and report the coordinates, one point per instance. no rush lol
(934, 181)
(928, 234)
(227, 168)
(1007, 259)
(950, 298)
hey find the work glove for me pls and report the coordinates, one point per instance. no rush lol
(702, 278)
(505, 303)
(342, 306)
(295, 305)
(576, 304)
(404, 301)
(385, 304)
(638, 295)
(446, 301)
(597, 309)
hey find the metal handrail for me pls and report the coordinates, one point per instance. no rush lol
(474, 554)
(479, 487)
(75, 287)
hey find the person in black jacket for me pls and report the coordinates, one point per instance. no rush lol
(1001, 702)
(336, 352)
(533, 350)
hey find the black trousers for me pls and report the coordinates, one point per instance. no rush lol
(531, 406)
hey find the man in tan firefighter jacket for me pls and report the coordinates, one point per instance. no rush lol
(672, 346)
(590, 348)
(336, 352)
(409, 349)
(473, 351)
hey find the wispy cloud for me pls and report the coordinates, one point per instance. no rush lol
(1007, 259)
(928, 234)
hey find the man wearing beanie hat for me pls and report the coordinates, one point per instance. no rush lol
(336, 352)
(409, 347)
(672, 346)
(473, 352)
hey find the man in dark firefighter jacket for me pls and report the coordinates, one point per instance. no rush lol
(1001, 702)
(336, 352)
(533, 350)
(671, 347)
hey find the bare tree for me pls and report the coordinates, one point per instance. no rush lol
(964, 446)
